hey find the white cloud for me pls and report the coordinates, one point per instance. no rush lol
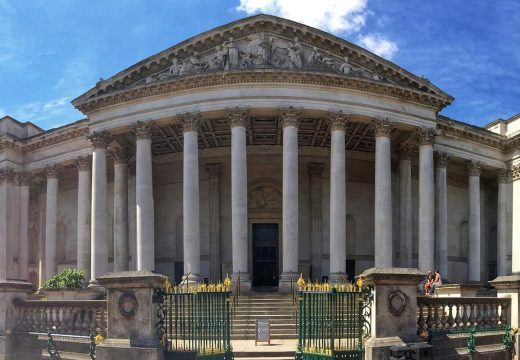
(378, 45)
(335, 16)
(39, 111)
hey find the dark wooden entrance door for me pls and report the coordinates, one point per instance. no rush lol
(265, 254)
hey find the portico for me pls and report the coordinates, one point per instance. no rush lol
(264, 170)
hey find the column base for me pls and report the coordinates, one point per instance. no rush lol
(191, 279)
(339, 278)
(94, 284)
(286, 280)
(243, 279)
(111, 349)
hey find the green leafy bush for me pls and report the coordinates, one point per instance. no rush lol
(67, 279)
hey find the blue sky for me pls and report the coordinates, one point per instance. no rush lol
(53, 51)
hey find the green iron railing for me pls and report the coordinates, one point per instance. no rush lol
(194, 321)
(333, 322)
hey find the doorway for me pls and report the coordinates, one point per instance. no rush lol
(265, 254)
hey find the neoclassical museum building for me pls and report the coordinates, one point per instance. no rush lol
(263, 149)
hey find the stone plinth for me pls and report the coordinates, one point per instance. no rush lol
(394, 310)
(509, 287)
(73, 294)
(457, 290)
(9, 291)
(131, 316)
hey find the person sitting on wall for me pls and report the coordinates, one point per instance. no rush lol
(436, 281)
(429, 284)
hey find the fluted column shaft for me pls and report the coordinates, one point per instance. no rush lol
(51, 215)
(7, 176)
(502, 266)
(214, 170)
(190, 203)
(383, 195)
(405, 210)
(83, 230)
(426, 138)
(441, 216)
(316, 215)
(474, 221)
(237, 118)
(99, 235)
(23, 251)
(121, 243)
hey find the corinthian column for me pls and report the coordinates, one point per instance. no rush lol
(190, 203)
(99, 248)
(502, 177)
(121, 245)
(214, 171)
(7, 176)
(238, 118)
(405, 210)
(383, 194)
(83, 230)
(515, 241)
(338, 197)
(144, 196)
(474, 220)
(51, 215)
(289, 117)
(441, 213)
(23, 267)
(426, 138)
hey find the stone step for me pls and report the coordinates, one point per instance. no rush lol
(66, 355)
(452, 341)
(487, 352)
(264, 355)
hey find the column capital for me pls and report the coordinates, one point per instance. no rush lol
(406, 151)
(24, 178)
(237, 116)
(214, 170)
(502, 175)
(515, 172)
(289, 116)
(142, 130)
(383, 127)
(83, 163)
(120, 155)
(474, 167)
(441, 159)
(190, 121)
(338, 120)
(51, 171)
(99, 139)
(426, 136)
(7, 175)
(316, 169)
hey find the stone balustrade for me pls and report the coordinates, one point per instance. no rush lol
(73, 317)
(453, 314)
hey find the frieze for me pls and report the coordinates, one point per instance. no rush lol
(51, 139)
(238, 116)
(481, 136)
(338, 120)
(289, 116)
(190, 121)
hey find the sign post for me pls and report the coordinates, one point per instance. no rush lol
(263, 331)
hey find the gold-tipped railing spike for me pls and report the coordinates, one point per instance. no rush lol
(301, 282)
(227, 282)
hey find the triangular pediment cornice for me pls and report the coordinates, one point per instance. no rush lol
(256, 47)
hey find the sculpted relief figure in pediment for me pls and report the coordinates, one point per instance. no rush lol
(260, 51)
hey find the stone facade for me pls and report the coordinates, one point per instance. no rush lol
(269, 123)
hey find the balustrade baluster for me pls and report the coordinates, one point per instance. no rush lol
(458, 318)
(451, 319)
(429, 319)
(504, 313)
(436, 317)
(493, 314)
(77, 320)
(420, 321)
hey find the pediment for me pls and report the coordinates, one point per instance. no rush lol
(261, 44)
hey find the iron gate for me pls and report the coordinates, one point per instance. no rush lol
(333, 321)
(194, 322)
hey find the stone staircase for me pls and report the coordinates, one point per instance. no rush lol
(276, 307)
(454, 347)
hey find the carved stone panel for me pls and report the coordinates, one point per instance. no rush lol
(265, 197)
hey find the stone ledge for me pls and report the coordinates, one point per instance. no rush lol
(132, 279)
(392, 276)
(506, 282)
(16, 286)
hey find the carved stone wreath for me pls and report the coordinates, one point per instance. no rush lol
(128, 305)
(397, 302)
